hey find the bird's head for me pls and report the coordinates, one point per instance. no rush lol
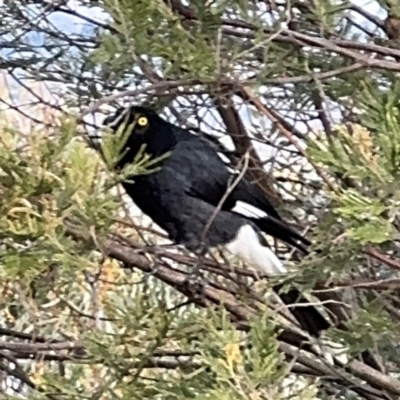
(146, 128)
(138, 119)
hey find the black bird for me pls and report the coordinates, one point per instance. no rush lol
(186, 191)
(183, 194)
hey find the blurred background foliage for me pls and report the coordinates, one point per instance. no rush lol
(94, 300)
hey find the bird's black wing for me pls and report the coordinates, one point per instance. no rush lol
(204, 176)
(210, 176)
(163, 196)
(208, 179)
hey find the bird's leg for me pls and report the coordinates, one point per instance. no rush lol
(195, 280)
(154, 268)
(196, 270)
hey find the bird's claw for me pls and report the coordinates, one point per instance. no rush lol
(195, 285)
(195, 281)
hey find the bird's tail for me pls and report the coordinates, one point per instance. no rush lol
(312, 321)
(308, 316)
(280, 230)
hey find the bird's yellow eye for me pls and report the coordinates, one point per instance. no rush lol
(142, 121)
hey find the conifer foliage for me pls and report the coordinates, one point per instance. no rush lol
(95, 301)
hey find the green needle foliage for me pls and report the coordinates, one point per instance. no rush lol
(95, 303)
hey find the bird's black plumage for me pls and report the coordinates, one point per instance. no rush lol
(182, 195)
(193, 178)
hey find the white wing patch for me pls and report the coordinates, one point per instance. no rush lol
(224, 158)
(249, 211)
(233, 171)
(247, 246)
(228, 163)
